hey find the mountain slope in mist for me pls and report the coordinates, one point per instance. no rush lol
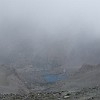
(38, 37)
(86, 76)
(10, 81)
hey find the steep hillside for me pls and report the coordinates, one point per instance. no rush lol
(86, 76)
(10, 82)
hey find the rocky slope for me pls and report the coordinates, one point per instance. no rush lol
(10, 81)
(86, 76)
(28, 78)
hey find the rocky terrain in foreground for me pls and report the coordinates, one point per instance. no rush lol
(83, 94)
(82, 85)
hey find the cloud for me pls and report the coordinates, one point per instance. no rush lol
(44, 24)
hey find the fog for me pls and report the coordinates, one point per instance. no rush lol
(49, 33)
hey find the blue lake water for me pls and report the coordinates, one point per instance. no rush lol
(53, 78)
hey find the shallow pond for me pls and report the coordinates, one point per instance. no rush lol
(53, 77)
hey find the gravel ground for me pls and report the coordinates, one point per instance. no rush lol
(83, 94)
